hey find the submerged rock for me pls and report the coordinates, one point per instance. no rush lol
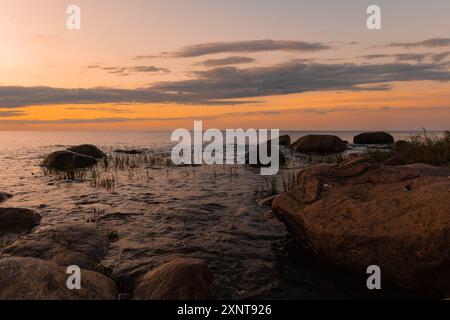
(358, 213)
(5, 196)
(88, 150)
(319, 144)
(16, 220)
(35, 279)
(69, 244)
(179, 279)
(373, 138)
(67, 160)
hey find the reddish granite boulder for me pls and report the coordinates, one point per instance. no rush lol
(179, 279)
(35, 279)
(359, 213)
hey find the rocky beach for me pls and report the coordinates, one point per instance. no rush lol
(343, 206)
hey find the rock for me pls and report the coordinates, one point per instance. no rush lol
(284, 140)
(319, 144)
(395, 160)
(15, 220)
(129, 151)
(68, 244)
(281, 157)
(34, 279)
(358, 213)
(373, 138)
(68, 160)
(179, 279)
(4, 196)
(88, 150)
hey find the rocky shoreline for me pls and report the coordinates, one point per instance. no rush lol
(352, 214)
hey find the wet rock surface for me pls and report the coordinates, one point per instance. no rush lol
(179, 279)
(35, 279)
(358, 213)
(67, 160)
(88, 150)
(68, 244)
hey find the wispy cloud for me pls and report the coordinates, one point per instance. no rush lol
(429, 43)
(248, 46)
(418, 57)
(145, 57)
(11, 113)
(102, 120)
(227, 61)
(126, 71)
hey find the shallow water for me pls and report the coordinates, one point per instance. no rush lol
(209, 212)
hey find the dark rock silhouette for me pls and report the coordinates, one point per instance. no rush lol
(374, 138)
(319, 144)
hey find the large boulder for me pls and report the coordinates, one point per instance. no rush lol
(179, 279)
(373, 138)
(68, 244)
(34, 279)
(67, 160)
(319, 144)
(16, 220)
(4, 196)
(358, 213)
(88, 150)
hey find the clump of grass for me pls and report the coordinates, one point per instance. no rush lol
(65, 175)
(423, 148)
(270, 186)
(289, 179)
(105, 181)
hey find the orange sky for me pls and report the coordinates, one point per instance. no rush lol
(37, 50)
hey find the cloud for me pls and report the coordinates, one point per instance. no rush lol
(231, 86)
(101, 120)
(298, 77)
(418, 57)
(439, 57)
(429, 43)
(126, 71)
(226, 61)
(248, 46)
(11, 113)
(145, 57)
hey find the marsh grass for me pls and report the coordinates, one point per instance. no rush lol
(115, 166)
(423, 148)
(284, 181)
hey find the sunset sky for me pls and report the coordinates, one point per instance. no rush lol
(288, 64)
